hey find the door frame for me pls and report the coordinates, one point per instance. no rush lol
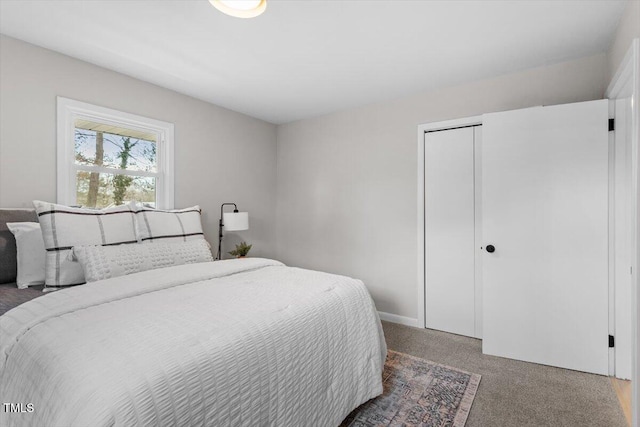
(625, 81)
(421, 273)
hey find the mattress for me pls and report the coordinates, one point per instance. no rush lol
(246, 342)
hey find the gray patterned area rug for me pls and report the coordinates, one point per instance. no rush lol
(418, 392)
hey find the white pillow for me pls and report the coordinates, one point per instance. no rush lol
(104, 262)
(64, 227)
(178, 225)
(30, 253)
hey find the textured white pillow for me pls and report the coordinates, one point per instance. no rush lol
(104, 262)
(30, 253)
(178, 225)
(64, 227)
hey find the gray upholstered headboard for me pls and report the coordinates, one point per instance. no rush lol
(8, 243)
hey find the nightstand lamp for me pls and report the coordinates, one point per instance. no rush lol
(231, 221)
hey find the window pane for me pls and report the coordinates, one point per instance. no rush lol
(101, 190)
(114, 147)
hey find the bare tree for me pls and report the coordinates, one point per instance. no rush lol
(122, 182)
(94, 178)
(95, 189)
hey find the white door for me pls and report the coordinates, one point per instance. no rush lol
(545, 206)
(449, 231)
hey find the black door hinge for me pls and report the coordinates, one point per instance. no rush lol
(612, 125)
(612, 341)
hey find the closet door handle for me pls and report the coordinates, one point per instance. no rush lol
(491, 249)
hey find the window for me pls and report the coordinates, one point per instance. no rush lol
(108, 158)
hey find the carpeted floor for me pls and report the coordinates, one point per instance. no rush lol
(513, 393)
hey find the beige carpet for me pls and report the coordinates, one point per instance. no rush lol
(418, 392)
(513, 393)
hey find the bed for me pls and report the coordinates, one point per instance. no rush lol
(227, 343)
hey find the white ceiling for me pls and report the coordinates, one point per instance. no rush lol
(305, 58)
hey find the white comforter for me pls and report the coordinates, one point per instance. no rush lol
(241, 342)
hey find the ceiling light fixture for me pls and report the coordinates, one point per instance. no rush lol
(240, 8)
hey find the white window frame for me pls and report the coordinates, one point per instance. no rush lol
(70, 110)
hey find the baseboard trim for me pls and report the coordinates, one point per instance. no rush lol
(394, 318)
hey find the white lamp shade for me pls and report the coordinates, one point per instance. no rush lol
(235, 221)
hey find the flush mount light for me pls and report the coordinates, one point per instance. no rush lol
(240, 8)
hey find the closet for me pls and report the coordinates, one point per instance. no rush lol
(516, 234)
(450, 231)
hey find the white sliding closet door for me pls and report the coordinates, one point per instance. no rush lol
(544, 208)
(449, 230)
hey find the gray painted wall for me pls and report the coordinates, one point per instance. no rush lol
(347, 182)
(220, 155)
(628, 29)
